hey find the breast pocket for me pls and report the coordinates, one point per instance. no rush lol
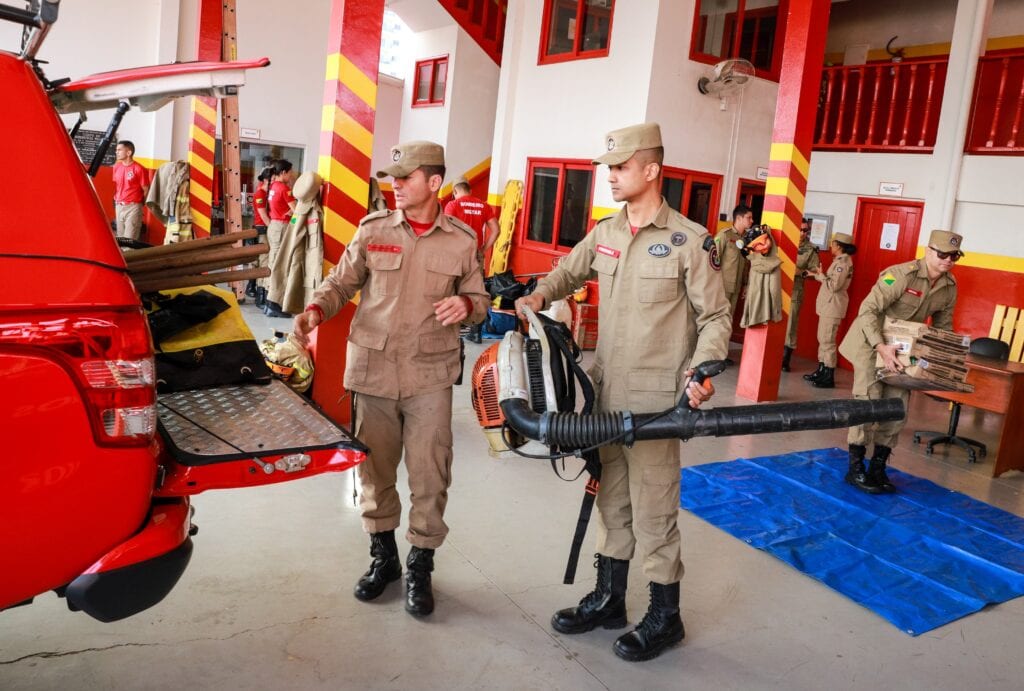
(441, 272)
(906, 307)
(605, 267)
(385, 274)
(658, 281)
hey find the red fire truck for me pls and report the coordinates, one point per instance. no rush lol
(96, 468)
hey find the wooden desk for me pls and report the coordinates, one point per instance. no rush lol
(998, 388)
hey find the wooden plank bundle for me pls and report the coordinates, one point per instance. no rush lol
(195, 262)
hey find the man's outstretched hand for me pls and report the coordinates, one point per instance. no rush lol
(304, 324)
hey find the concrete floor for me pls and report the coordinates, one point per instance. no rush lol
(266, 602)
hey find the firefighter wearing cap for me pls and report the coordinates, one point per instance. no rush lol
(418, 277)
(830, 307)
(913, 291)
(662, 306)
(807, 262)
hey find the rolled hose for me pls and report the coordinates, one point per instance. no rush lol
(575, 431)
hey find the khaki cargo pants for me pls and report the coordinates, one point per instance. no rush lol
(638, 507)
(422, 425)
(129, 220)
(794, 313)
(866, 387)
(274, 236)
(828, 327)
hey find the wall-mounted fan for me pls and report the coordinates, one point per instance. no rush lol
(726, 77)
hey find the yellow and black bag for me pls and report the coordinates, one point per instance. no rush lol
(196, 353)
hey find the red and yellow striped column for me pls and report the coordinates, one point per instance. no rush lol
(346, 147)
(203, 130)
(788, 167)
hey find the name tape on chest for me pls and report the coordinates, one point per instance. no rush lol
(915, 293)
(608, 251)
(390, 249)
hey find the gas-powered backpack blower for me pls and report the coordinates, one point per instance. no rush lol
(531, 380)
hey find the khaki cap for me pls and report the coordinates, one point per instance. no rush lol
(409, 156)
(305, 190)
(844, 238)
(622, 144)
(945, 241)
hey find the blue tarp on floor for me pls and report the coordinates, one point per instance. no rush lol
(920, 558)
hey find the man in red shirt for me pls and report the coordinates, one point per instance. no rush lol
(281, 203)
(478, 216)
(475, 214)
(130, 190)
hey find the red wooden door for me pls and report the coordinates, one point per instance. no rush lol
(885, 234)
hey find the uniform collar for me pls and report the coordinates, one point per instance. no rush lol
(398, 218)
(660, 219)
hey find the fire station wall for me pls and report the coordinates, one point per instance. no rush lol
(561, 110)
(696, 130)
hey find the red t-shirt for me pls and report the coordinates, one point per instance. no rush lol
(473, 212)
(128, 182)
(419, 228)
(259, 201)
(277, 201)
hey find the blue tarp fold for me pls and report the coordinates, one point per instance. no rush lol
(920, 558)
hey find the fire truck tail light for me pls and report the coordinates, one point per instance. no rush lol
(118, 374)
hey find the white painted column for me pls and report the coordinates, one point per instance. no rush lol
(508, 80)
(164, 51)
(969, 34)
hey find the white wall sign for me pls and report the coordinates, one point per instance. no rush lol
(890, 189)
(762, 173)
(821, 230)
(890, 236)
(249, 132)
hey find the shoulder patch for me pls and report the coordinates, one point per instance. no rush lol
(708, 243)
(376, 214)
(714, 260)
(888, 279)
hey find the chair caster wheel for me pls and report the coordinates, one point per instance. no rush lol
(917, 438)
(927, 452)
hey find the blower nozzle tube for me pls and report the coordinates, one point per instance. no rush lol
(575, 431)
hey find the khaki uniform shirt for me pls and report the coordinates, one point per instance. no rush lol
(902, 292)
(396, 347)
(734, 266)
(661, 306)
(833, 299)
(807, 259)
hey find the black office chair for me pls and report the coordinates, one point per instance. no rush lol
(985, 347)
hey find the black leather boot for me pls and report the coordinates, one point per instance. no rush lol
(816, 373)
(787, 353)
(856, 475)
(661, 627)
(604, 606)
(826, 380)
(419, 597)
(876, 469)
(250, 288)
(261, 297)
(385, 567)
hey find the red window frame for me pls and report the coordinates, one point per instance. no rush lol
(543, 58)
(735, 21)
(563, 164)
(688, 177)
(434, 64)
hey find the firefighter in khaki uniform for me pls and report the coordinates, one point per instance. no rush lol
(807, 262)
(662, 307)
(913, 291)
(419, 279)
(831, 308)
(734, 264)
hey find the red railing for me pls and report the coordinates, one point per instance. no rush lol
(997, 110)
(881, 106)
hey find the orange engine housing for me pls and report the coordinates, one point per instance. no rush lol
(485, 389)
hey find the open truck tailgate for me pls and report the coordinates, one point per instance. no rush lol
(239, 436)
